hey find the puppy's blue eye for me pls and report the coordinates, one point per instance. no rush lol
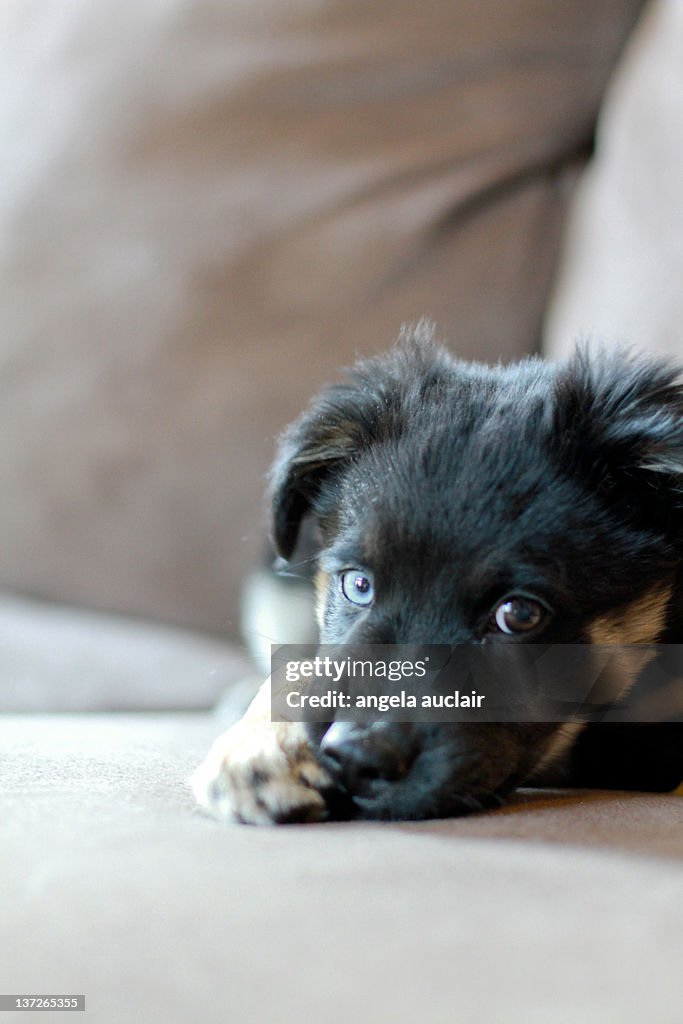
(356, 586)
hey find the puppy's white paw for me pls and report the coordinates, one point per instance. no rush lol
(262, 773)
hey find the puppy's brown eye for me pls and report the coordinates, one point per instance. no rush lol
(356, 586)
(518, 615)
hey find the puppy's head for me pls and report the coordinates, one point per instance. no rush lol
(460, 503)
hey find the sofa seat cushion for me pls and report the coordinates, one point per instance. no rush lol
(560, 907)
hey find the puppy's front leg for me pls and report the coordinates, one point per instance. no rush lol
(260, 772)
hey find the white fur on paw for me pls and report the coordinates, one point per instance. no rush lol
(260, 774)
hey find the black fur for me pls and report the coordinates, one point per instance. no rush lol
(455, 484)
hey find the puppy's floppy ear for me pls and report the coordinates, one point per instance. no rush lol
(344, 420)
(620, 417)
(340, 422)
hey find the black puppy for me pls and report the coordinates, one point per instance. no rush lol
(460, 503)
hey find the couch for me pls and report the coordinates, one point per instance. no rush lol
(560, 907)
(205, 210)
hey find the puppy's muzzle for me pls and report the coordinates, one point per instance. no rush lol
(362, 759)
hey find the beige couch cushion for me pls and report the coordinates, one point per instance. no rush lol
(55, 658)
(622, 269)
(205, 207)
(562, 909)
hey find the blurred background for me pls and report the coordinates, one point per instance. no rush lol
(207, 207)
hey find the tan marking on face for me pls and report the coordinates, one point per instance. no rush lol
(559, 744)
(640, 622)
(322, 583)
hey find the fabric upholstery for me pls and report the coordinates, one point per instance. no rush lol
(620, 276)
(55, 658)
(206, 208)
(557, 910)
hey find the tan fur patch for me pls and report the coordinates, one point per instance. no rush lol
(640, 622)
(322, 582)
(559, 744)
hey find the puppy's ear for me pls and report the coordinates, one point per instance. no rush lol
(620, 418)
(340, 423)
(345, 420)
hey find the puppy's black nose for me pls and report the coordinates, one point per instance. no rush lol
(358, 757)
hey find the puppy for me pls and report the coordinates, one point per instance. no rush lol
(462, 503)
